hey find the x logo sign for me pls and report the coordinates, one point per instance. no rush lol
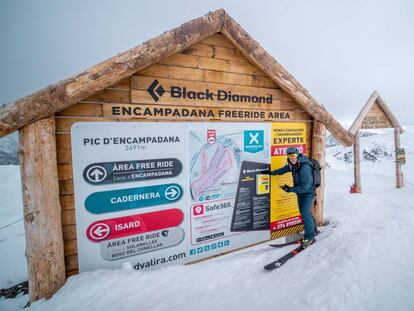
(253, 138)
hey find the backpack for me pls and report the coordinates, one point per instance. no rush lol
(316, 172)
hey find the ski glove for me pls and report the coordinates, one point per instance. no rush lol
(286, 188)
(266, 172)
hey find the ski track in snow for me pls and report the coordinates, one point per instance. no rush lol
(366, 264)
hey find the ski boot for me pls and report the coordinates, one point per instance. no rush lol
(306, 243)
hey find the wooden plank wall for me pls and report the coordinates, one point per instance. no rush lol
(213, 63)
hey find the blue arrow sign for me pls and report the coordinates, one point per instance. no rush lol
(172, 193)
(124, 199)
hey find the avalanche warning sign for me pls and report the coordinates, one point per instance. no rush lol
(284, 214)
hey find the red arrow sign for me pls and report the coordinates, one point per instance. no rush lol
(114, 228)
(99, 231)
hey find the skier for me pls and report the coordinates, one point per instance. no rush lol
(301, 169)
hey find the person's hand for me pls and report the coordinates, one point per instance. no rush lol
(286, 188)
(266, 172)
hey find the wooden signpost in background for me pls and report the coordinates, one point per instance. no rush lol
(376, 115)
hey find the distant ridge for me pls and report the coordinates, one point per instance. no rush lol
(9, 146)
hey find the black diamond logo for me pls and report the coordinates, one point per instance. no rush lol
(153, 90)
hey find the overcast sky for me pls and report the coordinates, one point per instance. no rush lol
(341, 51)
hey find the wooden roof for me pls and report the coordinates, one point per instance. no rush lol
(65, 93)
(374, 98)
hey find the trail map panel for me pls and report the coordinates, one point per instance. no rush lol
(220, 155)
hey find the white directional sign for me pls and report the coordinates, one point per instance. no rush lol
(96, 174)
(99, 231)
(130, 186)
(173, 192)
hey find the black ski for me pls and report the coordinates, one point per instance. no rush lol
(285, 244)
(15, 290)
(282, 260)
(289, 243)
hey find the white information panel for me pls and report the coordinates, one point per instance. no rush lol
(227, 209)
(155, 194)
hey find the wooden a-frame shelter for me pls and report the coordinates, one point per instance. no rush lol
(189, 52)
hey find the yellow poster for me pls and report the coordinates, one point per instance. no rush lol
(285, 218)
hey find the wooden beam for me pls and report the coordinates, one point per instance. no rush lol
(389, 114)
(358, 121)
(66, 93)
(42, 212)
(254, 52)
(318, 153)
(59, 96)
(357, 163)
(398, 169)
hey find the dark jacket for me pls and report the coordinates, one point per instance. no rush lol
(302, 176)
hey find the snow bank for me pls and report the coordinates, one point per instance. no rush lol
(366, 264)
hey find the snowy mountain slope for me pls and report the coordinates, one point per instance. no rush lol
(13, 269)
(366, 264)
(8, 150)
(331, 140)
(376, 146)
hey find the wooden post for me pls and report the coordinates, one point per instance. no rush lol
(398, 170)
(42, 218)
(318, 153)
(357, 164)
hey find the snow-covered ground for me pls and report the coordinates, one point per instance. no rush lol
(13, 269)
(366, 264)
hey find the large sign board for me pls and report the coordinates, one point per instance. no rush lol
(155, 194)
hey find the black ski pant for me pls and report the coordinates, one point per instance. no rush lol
(305, 202)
